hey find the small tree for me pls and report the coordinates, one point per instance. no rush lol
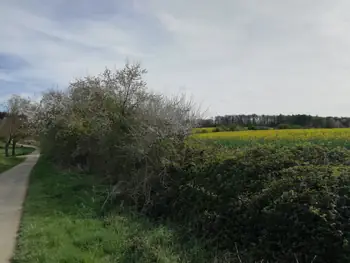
(113, 125)
(15, 125)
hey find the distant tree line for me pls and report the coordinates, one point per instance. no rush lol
(276, 121)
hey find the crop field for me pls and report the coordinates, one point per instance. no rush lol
(326, 137)
(199, 130)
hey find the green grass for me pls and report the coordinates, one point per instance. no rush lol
(7, 163)
(62, 222)
(19, 150)
(24, 150)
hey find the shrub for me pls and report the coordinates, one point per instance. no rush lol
(263, 128)
(113, 126)
(200, 130)
(233, 127)
(252, 127)
(301, 213)
(274, 202)
(283, 126)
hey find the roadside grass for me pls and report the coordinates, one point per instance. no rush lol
(7, 163)
(20, 150)
(24, 150)
(62, 222)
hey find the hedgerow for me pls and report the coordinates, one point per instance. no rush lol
(274, 203)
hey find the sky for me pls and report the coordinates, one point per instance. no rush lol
(229, 56)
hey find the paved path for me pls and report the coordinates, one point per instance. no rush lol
(13, 186)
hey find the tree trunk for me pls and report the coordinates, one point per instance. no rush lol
(14, 148)
(7, 150)
(7, 146)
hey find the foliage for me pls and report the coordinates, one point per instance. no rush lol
(3, 114)
(252, 127)
(16, 122)
(202, 130)
(112, 125)
(271, 202)
(63, 222)
(7, 163)
(295, 121)
(283, 126)
(23, 150)
(274, 202)
(222, 128)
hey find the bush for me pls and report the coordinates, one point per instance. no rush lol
(113, 126)
(283, 126)
(288, 126)
(274, 203)
(252, 127)
(263, 128)
(233, 127)
(301, 213)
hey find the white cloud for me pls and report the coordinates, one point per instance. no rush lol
(233, 56)
(58, 54)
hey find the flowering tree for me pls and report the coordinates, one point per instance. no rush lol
(16, 124)
(113, 125)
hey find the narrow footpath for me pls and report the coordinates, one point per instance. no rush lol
(13, 187)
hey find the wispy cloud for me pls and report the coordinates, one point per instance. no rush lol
(233, 56)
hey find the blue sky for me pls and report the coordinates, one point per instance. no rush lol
(231, 56)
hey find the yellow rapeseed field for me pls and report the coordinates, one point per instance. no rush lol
(198, 130)
(336, 137)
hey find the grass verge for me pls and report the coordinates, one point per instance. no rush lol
(20, 150)
(7, 163)
(62, 222)
(24, 150)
